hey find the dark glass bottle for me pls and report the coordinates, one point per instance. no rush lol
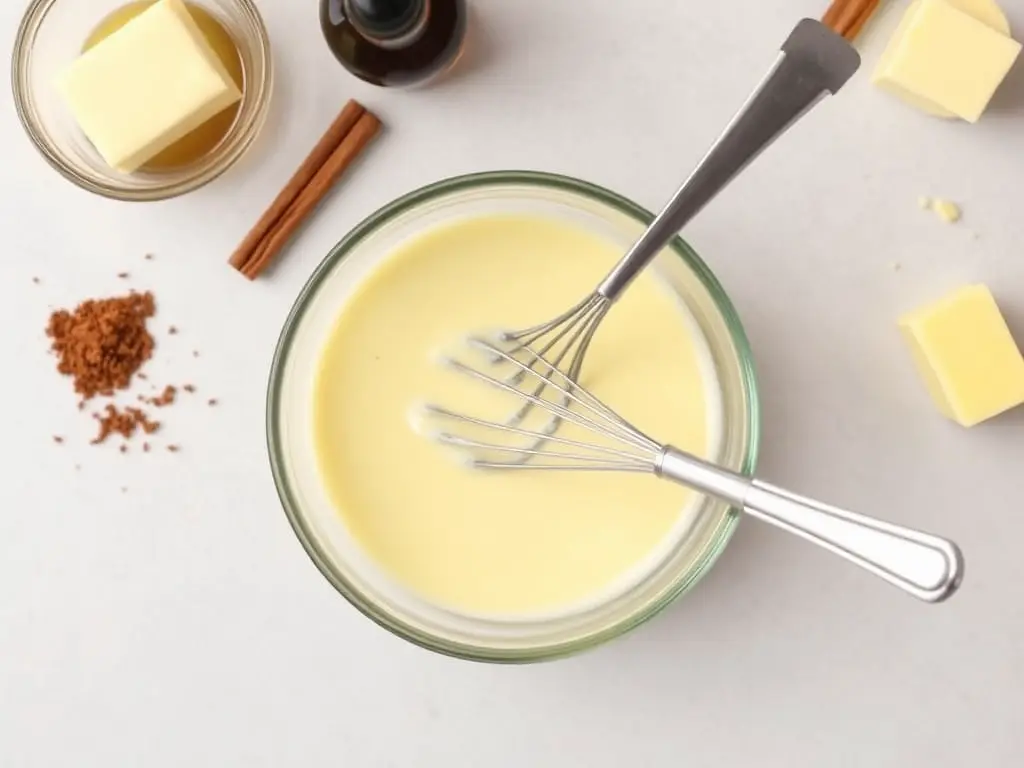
(394, 42)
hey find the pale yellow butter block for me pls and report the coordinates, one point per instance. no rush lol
(966, 355)
(942, 59)
(988, 13)
(147, 85)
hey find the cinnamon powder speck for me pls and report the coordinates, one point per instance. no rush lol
(122, 422)
(164, 398)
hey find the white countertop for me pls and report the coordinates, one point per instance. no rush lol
(179, 622)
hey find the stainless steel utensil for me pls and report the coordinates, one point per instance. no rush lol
(926, 566)
(814, 61)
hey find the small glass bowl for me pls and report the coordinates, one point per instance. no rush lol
(51, 36)
(320, 527)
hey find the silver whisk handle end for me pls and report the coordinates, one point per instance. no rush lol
(928, 567)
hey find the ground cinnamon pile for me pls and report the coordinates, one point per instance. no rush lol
(103, 342)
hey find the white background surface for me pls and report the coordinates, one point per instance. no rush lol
(179, 623)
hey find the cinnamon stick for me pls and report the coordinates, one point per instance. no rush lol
(848, 17)
(858, 25)
(328, 144)
(350, 147)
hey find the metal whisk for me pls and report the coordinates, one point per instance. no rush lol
(814, 61)
(926, 566)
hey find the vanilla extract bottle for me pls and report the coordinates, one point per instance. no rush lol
(394, 42)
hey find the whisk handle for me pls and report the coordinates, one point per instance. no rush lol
(926, 566)
(814, 61)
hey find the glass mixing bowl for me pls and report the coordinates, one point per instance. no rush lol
(321, 529)
(51, 36)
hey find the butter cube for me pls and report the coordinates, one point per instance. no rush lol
(966, 355)
(943, 60)
(145, 86)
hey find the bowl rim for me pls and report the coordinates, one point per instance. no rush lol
(28, 28)
(351, 240)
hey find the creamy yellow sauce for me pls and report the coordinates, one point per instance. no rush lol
(491, 543)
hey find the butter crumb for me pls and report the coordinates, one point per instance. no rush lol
(947, 210)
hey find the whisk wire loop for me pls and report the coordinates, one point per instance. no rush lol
(577, 328)
(635, 452)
